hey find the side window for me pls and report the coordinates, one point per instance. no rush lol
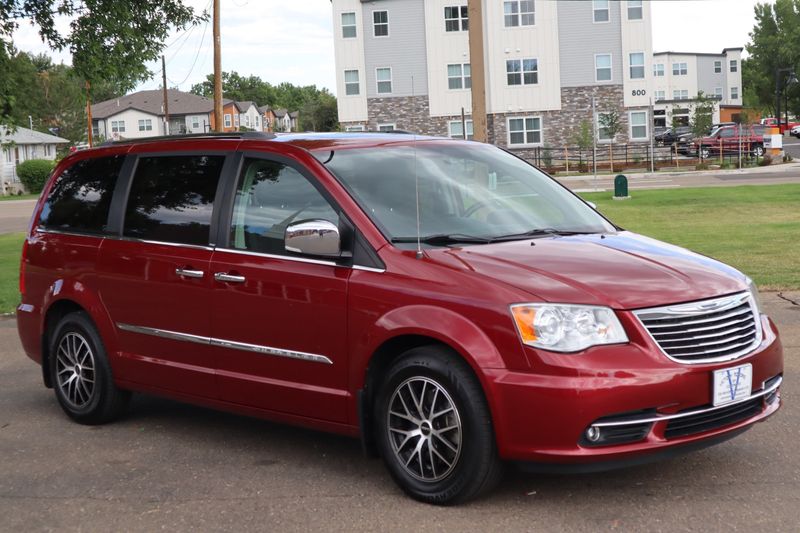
(269, 197)
(81, 196)
(172, 198)
(727, 133)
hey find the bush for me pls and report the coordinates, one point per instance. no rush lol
(765, 161)
(701, 166)
(787, 158)
(33, 174)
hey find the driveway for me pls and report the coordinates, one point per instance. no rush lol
(15, 215)
(169, 466)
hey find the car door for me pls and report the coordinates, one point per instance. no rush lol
(278, 319)
(155, 277)
(730, 142)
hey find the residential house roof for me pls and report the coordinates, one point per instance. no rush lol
(180, 103)
(279, 112)
(240, 106)
(264, 108)
(26, 136)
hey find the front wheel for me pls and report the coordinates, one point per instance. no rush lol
(80, 372)
(705, 152)
(758, 150)
(434, 429)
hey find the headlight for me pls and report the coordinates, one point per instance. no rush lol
(567, 328)
(751, 286)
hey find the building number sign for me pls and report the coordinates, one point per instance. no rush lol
(638, 92)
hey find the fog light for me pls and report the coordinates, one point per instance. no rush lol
(593, 434)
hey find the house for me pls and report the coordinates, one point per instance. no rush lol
(267, 118)
(22, 145)
(405, 64)
(285, 120)
(141, 114)
(236, 115)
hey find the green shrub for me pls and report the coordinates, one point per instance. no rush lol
(765, 161)
(701, 166)
(33, 174)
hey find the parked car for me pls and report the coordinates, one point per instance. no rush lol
(671, 135)
(731, 139)
(718, 125)
(795, 131)
(784, 126)
(446, 302)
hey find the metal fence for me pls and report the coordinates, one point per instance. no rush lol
(618, 157)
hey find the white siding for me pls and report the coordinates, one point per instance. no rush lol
(732, 79)
(539, 41)
(349, 55)
(445, 48)
(637, 37)
(131, 118)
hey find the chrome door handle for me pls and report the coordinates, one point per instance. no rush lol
(229, 278)
(186, 273)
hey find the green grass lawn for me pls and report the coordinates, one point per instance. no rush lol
(753, 228)
(10, 250)
(20, 197)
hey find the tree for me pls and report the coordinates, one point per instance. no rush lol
(702, 115)
(110, 40)
(611, 123)
(583, 140)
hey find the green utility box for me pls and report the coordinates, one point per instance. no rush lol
(621, 187)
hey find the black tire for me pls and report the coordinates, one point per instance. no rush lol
(758, 150)
(439, 376)
(80, 373)
(705, 151)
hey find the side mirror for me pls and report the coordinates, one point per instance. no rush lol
(313, 237)
(592, 205)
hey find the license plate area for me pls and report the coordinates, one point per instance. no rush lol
(732, 384)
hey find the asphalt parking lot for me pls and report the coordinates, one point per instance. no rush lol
(175, 467)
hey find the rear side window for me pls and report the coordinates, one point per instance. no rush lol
(172, 198)
(81, 196)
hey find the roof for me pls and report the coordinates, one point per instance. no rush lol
(264, 109)
(724, 51)
(332, 141)
(240, 106)
(26, 136)
(279, 112)
(180, 103)
(293, 114)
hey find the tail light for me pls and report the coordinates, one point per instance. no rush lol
(22, 261)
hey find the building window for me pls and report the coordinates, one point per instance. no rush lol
(637, 65)
(524, 130)
(236, 120)
(386, 127)
(601, 10)
(195, 123)
(680, 94)
(351, 87)
(519, 13)
(145, 125)
(384, 80)
(734, 65)
(227, 120)
(118, 126)
(348, 25)
(660, 95)
(602, 133)
(47, 150)
(522, 71)
(658, 69)
(456, 129)
(638, 121)
(459, 76)
(456, 18)
(634, 9)
(380, 23)
(734, 93)
(602, 67)
(358, 127)
(718, 92)
(679, 69)
(717, 67)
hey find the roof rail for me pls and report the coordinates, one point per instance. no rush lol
(256, 135)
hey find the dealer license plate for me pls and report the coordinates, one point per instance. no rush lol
(731, 384)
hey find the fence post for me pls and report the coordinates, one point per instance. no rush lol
(720, 152)
(626, 154)
(566, 160)
(677, 164)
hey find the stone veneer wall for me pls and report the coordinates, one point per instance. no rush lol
(407, 113)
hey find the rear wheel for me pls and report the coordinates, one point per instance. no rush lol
(80, 372)
(758, 150)
(705, 152)
(434, 429)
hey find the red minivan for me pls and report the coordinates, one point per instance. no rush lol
(448, 303)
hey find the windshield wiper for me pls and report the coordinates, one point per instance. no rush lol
(537, 232)
(444, 238)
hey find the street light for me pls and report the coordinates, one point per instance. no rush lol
(792, 79)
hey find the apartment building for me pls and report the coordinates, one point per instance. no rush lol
(404, 64)
(680, 77)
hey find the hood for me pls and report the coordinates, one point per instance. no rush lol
(623, 271)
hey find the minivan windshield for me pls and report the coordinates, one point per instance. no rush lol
(468, 192)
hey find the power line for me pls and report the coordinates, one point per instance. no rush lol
(199, 48)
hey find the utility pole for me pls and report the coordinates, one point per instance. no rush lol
(477, 71)
(217, 71)
(89, 112)
(594, 142)
(166, 100)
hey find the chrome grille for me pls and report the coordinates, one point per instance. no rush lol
(706, 331)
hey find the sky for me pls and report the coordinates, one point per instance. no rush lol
(292, 40)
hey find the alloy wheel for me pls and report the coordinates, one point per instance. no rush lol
(424, 429)
(75, 369)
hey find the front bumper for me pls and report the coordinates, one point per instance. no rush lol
(543, 417)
